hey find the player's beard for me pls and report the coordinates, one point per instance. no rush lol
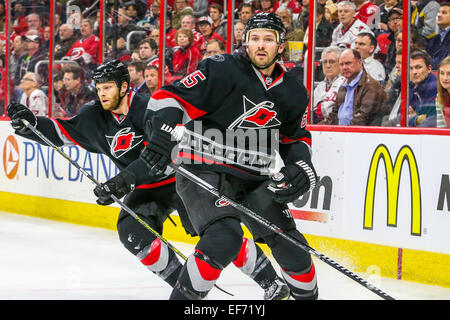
(112, 103)
(262, 63)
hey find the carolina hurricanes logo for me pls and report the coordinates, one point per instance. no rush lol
(221, 202)
(256, 116)
(123, 141)
(77, 53)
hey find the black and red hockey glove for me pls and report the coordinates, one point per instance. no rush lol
(16, 112)
(118, 186)
(292, 181)
(158, 152)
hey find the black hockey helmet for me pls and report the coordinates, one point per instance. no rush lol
(113, 70)
(265, 20)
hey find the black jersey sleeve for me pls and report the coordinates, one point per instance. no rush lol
(83, 128)
(295, 139)
(196, 94)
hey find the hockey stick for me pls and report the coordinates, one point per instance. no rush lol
(119, 202)
(248, 212)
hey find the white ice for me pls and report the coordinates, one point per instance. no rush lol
(48, 260)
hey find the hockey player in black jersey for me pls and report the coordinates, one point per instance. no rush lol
(113, 125)
(231, 106)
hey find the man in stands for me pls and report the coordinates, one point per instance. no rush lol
(349, 27)
(366, 43)
(360, 98)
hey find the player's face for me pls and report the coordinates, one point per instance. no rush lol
(108, 93)
(262, 47)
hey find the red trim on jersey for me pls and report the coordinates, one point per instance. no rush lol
(192, 111)
(64, 132)
(194, 157)
(290, 140)
(157, 184)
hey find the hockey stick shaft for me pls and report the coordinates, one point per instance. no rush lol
(119, 202)
(248, 212)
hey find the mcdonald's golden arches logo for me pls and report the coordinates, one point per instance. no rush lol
(393, 173)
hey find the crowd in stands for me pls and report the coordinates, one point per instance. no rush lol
(357, 52)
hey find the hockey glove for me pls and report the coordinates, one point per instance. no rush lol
(157, 153)
(292, 181)
(16, 112)
(118, 186)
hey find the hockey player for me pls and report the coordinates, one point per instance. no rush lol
(231, 97)
(113, 125)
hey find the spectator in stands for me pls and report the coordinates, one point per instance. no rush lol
(213, 47)
(153, 16)
(125, 25)
(422, 91)
(292, 33)
(265, 6)
(366, 12)
(85, 50)
(205, 26)
(219, 24)
(148, 49)
(17, 49)
(245, 11)
(349, 27)
(393, 90)
(395, 17)
(168, 49)
(360, 99)
(424, 17)
(151, 78)
(188, 22)
(19, 19)
(200, 8)
(331, 14)
(324, 30)
(439, 46)
(78, 91)
(186, 56)
(67, 39)
(34, 22)
(181, 9)
(366, 43)
(34, 53)
(326, 91)
(133, 12)
(294, 5)
(303, 16)
(137, 80)
(33, 97)
(443, 95)
(239, 28)
(385, 8)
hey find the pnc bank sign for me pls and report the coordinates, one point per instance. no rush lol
(393, 171)
(11, 157)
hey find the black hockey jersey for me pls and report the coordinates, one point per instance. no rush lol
(236, 118)
(120, 137)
